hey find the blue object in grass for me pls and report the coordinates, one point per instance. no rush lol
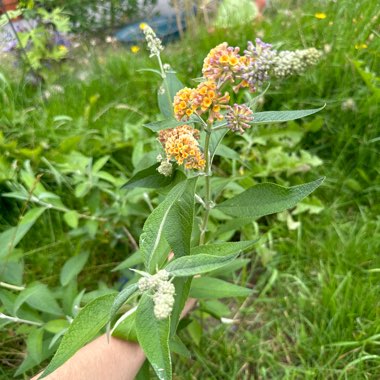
(165, 26)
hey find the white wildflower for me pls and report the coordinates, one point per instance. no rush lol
(349, 105)
(287, 63)
(154, 43)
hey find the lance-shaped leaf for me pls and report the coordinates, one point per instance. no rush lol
(170, 86)
(84, 327)
(11, 237)
(197, 264)
(208, 287)
(153, 337)
(172, 218)
(149, 178)
(282, 116)
(267, 198)
(223, 249)
(180, 221)
(121, 298)
(156, 126)
(182, 289)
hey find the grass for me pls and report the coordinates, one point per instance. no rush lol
(314, 312)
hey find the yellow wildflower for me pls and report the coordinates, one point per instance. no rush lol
(135, 49)
(320, 15)
(361, 46)
(143, 25)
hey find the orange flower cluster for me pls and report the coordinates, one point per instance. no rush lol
(223, 63)
(181, 144)
(201, 99)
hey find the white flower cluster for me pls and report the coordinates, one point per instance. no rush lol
(154, 43)
(165, 168)
(163, 296)
(287, 63)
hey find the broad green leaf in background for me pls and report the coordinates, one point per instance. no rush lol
(12, 270)
(84, 327)
(170, 86)
(34, 344)
(156, 126)
(165, 220)
(197, 264)
(122, 297)
(226, 152)
(215, 308)
(72, 267)
(130, 261)
(11, 237)
(282, 116)
(149, 178)
(208, 287)
(179, 347)
(153, 337)
(223, 249)
(71, 218)
(39, 297)
(267, 198)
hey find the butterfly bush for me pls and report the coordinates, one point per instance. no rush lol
(175, 250)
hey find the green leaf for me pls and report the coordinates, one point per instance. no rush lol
(149, 178)
(170, 86)
(223, 249)
(100, 163)
(39, 297)
(12, 270)
(129, 262)
(34, 344)
(84, 327)
(197, 264)
(282, 116)
(71, 218)
(153, 337)
(215, 308)
(122, 297)
(182, 288)
(215, 139)
(195, 330)
(56, 325)
(72, 267)
(156, 126)
(267, 198)
(173, 217)
(179, 225)
(232, 267)
(127, 329)
(226, 152)
(11, 237)
(209, 287)
(177, 346)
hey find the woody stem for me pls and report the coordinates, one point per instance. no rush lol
(207, 185)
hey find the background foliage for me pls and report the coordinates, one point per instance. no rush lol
(67, 147)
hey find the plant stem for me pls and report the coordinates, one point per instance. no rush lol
(208, 186)
(19, 320)
(10, 286)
